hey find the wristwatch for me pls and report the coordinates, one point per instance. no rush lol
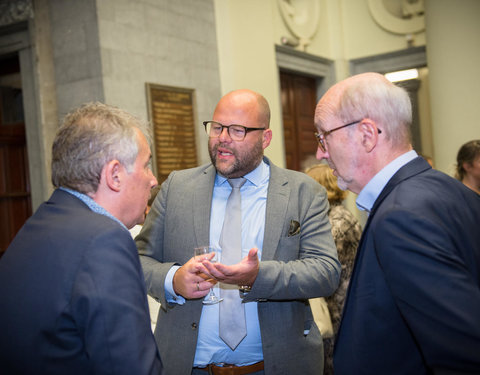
(243, 290)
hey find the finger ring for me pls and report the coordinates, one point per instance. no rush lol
(198, 288)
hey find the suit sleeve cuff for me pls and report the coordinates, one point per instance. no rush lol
(170, 295)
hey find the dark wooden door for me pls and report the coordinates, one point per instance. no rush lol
(15, 199)
(298, 108)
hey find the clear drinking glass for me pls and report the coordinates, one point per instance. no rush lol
(201, 253)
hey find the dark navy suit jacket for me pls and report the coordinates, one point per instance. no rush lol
(413, 306)
(72, 296)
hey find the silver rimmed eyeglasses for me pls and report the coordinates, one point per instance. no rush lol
(236, 132)
(321, 136)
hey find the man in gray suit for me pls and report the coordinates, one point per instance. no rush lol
(288, 254)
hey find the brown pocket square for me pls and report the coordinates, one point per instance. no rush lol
(294, 228)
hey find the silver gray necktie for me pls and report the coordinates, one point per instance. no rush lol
(232, 312)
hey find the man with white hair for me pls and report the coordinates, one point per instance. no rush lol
(413, 305)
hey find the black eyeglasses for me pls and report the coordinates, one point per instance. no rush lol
(321, 136)
(236, 132)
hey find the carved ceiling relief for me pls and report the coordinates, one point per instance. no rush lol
(405, 17)
(301, 18)
(15, 11)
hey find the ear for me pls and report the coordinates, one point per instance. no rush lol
(267, 138)
(466, 166)
(369, 133)
(113, 171)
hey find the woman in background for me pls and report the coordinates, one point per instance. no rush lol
(468, 165)
(346, 232)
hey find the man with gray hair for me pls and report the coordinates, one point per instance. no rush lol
(413, 304)
(72, 289)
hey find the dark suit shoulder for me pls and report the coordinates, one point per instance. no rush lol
(75, 217)
(432, 187)
(417, 186)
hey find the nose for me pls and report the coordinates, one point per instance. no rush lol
(320, 155)
(153, 181)
(224, 135)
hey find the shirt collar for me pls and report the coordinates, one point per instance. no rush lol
(255, 177)
(374, 187)
(92, 205)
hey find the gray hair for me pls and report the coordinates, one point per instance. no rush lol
(90, 137)
(383, 102)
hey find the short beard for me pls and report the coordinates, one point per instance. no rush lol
(242, 165)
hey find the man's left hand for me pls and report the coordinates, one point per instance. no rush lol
(243, 273)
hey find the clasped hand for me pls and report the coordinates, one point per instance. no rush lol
(243, 273)
(195, 278)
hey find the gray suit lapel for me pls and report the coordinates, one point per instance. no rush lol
(277, 202)
(202, 203)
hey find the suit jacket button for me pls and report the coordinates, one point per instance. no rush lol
(194, 326)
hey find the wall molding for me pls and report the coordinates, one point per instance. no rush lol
(414, 57)
(295, 61)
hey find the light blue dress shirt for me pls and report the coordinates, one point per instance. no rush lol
(374, 187)
(210, 347)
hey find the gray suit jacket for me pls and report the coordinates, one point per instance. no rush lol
(293, 268)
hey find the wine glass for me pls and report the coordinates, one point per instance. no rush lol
(201, 253)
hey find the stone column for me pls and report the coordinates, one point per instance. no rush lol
(453, 56)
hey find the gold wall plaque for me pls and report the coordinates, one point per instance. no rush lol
(172, 117)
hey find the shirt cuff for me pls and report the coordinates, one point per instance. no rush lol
(170, 295)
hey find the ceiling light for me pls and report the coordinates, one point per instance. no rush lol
(402, 75)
